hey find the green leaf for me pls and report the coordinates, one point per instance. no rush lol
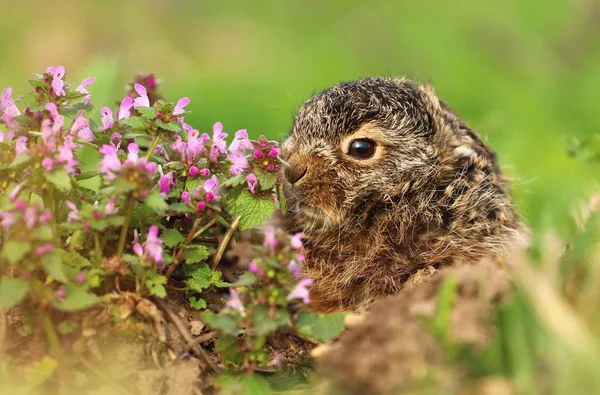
(246, 280)
(75, 259)
(156, 202)
(19, 160)
(147, 112)
(43, 233)
(122, 186)
(66, 327)
(33, 101)
(266, 179)
(89, 159)
(228, 347)
(39, 84)
(216, 279)
(76, 300)
(323, 327)
(180, 208)
(13, 251)
(244, 385)
(223, 322)
(60, 179)
(53, 264)
(12, 291)
(193, 183)
(252, 210)
(134, 122)
(234, 181)
(172, 237)
(73, 95)
(199, 279)
(197, 303)
(195, 254)
(264, 324)
(156, 285)
(171, 126)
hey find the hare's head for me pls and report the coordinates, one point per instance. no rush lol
(357, 144)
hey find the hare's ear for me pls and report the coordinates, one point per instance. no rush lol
(433, 106)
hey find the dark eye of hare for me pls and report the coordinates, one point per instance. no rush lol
(362, 148)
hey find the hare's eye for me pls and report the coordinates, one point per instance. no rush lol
(362, 148)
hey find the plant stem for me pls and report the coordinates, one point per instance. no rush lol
(224, 242)
(152, 146)
(97, 247)
(125, 228)
(187, 241)
(51, 334)
(204, 228)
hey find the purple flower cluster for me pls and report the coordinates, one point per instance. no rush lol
(19, 222)
(134, 169)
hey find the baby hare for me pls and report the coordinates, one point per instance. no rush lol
(385, 179)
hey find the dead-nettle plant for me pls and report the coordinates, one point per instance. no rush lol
(137, 203)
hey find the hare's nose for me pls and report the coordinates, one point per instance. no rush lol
(295, 172)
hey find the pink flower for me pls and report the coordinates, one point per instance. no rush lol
(58, 85)
(81, 88)
(110, 208)
(219, 143)
(58, 119)
(185, 197)
(137, 247)
(240, 142)
(153, 246)
(235, 302)
(165, 182)
(44, 249)
(8, 109)
(274, 152)
(294, 268)
(20, 145)
(212, 186)
(252, 182)
(205, 172)
(110, 162)
(81, 126)
(181, 104)
(257, 154)
(239, 162)
(107, 118)
(125, 108)
(74, 213)
(193, 171)
(301, 292)
(15, 192)
(30, 215)
(142, 100)
(7, 220)
(47, 164)
(65, 155)
(189, 151)
(61, 293)
(270, 238)
(81, 277)
(296, 241)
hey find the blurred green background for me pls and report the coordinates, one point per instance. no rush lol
(525, 74)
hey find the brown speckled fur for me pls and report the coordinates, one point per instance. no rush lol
(435, 196)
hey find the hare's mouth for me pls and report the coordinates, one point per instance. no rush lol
(313, 220)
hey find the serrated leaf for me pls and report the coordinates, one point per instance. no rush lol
(197, 303)
(13, 251)
(73, 95)
(199, 279)
(252, 210)
(323, 327)
(76, 300)
(12, 291)
(171, 126)
(134, 122)
(266, 179)
(75, 259)
(234, 181)
(264, 324)
(156, 202)
(223, 322)
(195, 254)
(89, 159)
(60, 179)
(147, 112)
(172, 237)
(193, 183)
(33, 101)
(156, 285)
(39, 84)
(53, 264)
